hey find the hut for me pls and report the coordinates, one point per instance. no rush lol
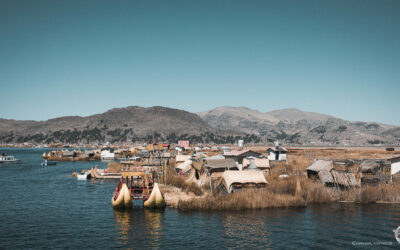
(233, 181)
(185, 167)
(344, 179)
(324, 172)
(394, 164)
(68, 154)
(277, 154)
(375, 171)
(317, 166)
(239, 155)
(216, 167)
(251, 163)
(260, 163)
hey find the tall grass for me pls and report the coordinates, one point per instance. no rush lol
(246, 199)
(180, 181)
(295, 191)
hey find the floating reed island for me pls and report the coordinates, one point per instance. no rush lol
(258, 178)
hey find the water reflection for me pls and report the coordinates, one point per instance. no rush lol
(153, 225)
(245, 230)
(139, 224)
(124, 220)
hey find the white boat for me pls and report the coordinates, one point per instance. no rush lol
(8, 159)
(84, 176)
(47, 163)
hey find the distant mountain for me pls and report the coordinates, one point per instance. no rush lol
(296, 127)
(130, 124)
(219, 125)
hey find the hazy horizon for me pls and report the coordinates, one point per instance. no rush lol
(339, 58)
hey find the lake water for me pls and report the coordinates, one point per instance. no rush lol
(45, 207)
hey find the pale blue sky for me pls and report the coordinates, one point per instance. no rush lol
(84, 57)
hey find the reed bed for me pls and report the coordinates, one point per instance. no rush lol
(173, 179)
(295, 191)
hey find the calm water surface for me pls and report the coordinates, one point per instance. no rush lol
(44, 207)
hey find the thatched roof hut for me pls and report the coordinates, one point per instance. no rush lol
(324, 171)
(369, 166)
(185, 166)
(317, 166)
(220, 165)
(326, 177)
(342, 179)
(234, 180)
(262, 163)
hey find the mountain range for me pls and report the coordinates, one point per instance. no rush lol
(219, 125)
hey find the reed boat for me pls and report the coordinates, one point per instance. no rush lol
(121, 197)
(156, 199)
(104, 173)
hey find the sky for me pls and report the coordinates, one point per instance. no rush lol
(340, 58)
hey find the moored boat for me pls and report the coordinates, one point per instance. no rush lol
(48, 163)
(84, 176)
(121, 196)
(156, 199)
(4, 158)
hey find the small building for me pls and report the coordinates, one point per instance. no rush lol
(277, 154)
(317, 166)
(251, 163)
(375, 171)
(107, 154)
(185, 167)
(239, 155)
(216, 167)
(68, 153)
(166, 146)
(183, 143)
(324, 172)
(233, 181)
(395, 164)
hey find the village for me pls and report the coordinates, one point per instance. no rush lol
(245, 176)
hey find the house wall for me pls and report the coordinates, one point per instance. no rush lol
(395, 168)
(271, 156)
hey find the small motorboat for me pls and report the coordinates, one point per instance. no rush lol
(122, 196)
(4, 158)
(48, 163)
(84, 176)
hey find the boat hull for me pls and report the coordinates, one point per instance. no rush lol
(124, 199)
(156, 199)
